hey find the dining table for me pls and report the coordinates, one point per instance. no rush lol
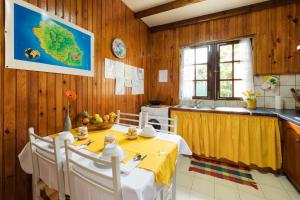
(139, 184)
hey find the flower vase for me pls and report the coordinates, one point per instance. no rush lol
(251, 104)
(68, 123)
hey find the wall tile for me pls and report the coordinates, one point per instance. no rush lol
(231, 104)
(289, 103)
(287, 80)
(257, 80)
(269, 102)
(272, 93)
(220, 103)
(298, 79)
(285, 91)
(260, 102)
(259, 90)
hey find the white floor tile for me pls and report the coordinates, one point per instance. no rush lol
(266, 179)
(294, 195)
(226, 182)
(248, 196)
(182, 193)
(195, 195)
(204, 187)
(223, 192)
(251, 190)
(202, 176)
(274, 193)
(184, 165)
(286, 184)
(184, 179)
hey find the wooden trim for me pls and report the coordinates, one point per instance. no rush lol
(165, 7)
(223, 14)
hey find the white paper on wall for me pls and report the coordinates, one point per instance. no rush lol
(134, 73)
(141, 86)
(109, 68)
(140, 73)
(128, 83)
(128, 72)
(120, 86)
(119, 70)
(163, 76)
(137, 87)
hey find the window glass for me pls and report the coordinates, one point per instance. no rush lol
(217, 64)
(201, 88)
(226, 53)
(189, 56)
(201, 72)
(201, 55)
(225, 70)
(225, 88)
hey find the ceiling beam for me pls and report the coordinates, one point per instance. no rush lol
(223, 14)
(165, 7)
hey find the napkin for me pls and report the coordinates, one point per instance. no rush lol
(129, 166)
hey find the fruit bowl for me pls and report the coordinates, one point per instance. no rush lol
(97, 127)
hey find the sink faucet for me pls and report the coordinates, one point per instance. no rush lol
(199, 103)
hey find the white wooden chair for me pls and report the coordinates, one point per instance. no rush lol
(76, 169)
(129, 119)
(42, 153)
(169, 123)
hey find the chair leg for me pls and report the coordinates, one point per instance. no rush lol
(35, 188)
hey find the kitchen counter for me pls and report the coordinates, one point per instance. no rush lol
(289, 115)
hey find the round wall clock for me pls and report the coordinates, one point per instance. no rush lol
(119, 48)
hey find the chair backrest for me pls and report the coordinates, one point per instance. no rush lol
(77, 169)
(169, 123)
(129, 119)
(50, 157)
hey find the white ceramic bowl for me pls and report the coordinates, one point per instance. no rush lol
(111, 150)
(148, 131)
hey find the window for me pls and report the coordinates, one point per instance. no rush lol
(217, 71)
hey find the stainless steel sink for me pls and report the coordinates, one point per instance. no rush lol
(196, 107)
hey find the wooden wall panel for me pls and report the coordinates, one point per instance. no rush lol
(36, 99)
(276, 34)
(1, 102)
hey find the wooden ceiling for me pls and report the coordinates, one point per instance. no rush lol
(165, 7)
(160, 12)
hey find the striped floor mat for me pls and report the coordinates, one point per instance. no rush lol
(223, 170)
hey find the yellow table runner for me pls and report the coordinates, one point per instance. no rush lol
(161, 154)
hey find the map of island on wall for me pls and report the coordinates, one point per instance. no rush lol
(39, 41)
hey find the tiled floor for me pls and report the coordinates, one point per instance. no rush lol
(195, 186)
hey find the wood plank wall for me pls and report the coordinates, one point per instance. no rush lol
(276, 34)
(36, 99)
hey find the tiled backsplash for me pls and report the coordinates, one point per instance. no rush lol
(283, 89)
(267, 98)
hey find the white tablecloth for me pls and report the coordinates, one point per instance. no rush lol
(138, 185)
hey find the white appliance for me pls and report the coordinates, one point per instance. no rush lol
(156, 111)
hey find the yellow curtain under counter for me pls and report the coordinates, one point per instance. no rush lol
(238, 138)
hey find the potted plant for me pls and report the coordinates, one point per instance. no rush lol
(250, 98)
